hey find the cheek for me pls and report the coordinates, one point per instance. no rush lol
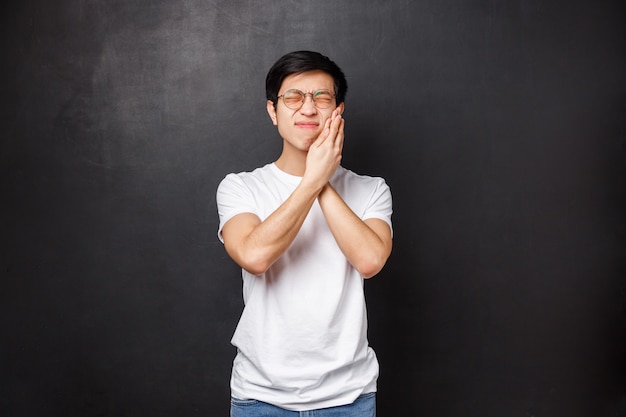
(282, 118)
(325, 117)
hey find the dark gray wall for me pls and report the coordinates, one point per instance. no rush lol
(499, 126)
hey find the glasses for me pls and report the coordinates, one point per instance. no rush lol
(294, 99)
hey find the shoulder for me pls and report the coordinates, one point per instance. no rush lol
(346, 177)
(247, 177)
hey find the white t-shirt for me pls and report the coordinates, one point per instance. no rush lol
(302, 337)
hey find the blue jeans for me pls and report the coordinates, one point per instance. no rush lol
(364, 406)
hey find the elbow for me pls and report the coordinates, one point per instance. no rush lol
(255, 264)
(253, 261)
(368, 273)
(255, 269)
(371, 263)
(371, 266)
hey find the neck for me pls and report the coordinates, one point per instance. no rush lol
(292, 162)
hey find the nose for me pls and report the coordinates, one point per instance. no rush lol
(308, 107)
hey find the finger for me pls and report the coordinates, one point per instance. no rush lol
(325, 132)
(334, 126)
(340, 135)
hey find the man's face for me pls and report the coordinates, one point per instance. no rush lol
(299, 128)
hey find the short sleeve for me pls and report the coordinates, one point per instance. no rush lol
(380, 204)
(233, 197)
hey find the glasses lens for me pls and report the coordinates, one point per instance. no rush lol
(323, 99)
(293, 98)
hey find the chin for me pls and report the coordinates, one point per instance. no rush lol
(305, 142)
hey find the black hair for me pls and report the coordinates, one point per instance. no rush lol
(302, 61)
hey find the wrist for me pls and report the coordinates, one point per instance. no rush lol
(326, 190)
(311, 186)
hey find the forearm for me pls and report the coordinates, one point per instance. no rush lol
(261, 243)
(254, 244)
(365, 248)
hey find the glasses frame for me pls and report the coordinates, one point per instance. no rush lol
(313, 94)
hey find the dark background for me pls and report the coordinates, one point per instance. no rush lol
(499, 126)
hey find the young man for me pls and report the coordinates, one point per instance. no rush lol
(306, 232)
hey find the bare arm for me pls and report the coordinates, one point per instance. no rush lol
(254, 244)
(366, 244)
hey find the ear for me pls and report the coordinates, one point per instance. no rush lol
(271, 110)
(341, 108)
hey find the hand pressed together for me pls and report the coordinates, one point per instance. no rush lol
(324, 155)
